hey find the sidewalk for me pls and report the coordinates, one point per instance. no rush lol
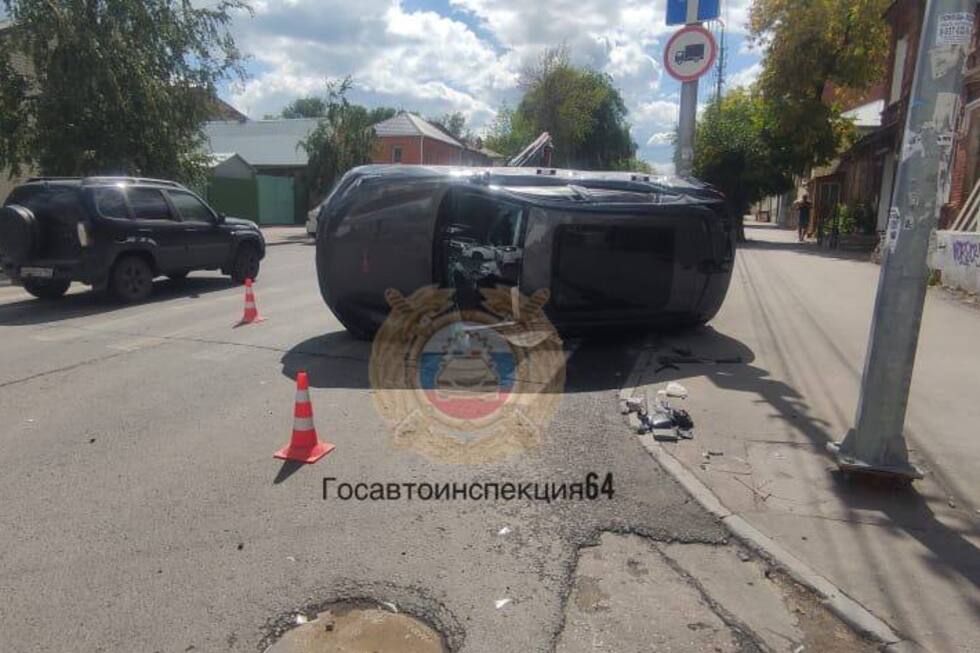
(286, 235)
(799, 318)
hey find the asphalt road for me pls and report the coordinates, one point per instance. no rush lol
(142, 509)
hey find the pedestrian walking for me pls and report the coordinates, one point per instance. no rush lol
(803, 214)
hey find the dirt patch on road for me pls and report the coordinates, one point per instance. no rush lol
(359, 628)
(822, 631)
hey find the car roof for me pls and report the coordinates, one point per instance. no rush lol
(104, 181)
(534, 182)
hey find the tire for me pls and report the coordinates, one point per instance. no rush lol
(20, 233)
(47, 288)
(246, 263)
(132, 279)
(356, 332)
(177, 276)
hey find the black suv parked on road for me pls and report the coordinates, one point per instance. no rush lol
(118, 233)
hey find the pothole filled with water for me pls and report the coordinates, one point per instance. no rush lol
(360, 627)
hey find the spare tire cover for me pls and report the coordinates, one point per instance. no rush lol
(20, 234)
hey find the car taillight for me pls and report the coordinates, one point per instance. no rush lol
(83, 237)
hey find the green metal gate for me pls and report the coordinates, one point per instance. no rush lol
(276, 199)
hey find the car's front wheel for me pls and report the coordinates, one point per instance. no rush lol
(132, 279)
(246, 263)
(47, 288)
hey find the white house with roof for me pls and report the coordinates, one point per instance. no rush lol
(259, 168)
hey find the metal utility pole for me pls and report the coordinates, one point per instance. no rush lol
(722, 57)
(688, 109)
(876, 444)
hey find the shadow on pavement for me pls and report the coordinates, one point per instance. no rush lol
(904, 505)
(94, 302)
(337, 360)
(288, 468)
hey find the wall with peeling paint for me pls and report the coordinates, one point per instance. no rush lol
(957, 257)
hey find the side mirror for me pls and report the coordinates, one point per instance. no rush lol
(219, 218)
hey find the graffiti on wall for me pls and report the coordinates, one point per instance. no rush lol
(966, 252)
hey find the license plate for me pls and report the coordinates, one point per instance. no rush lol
(43, 273)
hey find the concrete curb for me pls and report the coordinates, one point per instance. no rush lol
(286, 242)
(844, 607)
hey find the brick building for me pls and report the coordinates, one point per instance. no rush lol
(905, 19)
(965, 173)
(406, 138)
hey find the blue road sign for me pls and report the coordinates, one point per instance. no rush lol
(677, 11)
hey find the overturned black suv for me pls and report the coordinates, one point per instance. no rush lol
(613, 249)
(118, 233)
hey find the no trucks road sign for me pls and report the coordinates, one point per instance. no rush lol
(690, 53)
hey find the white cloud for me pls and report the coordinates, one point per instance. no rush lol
(661, 138)
(656, 113)
(745, 77)
(468, 59)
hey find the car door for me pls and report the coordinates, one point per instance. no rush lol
(209, 245)
(158, 228)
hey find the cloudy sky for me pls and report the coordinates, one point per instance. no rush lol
(436, 56)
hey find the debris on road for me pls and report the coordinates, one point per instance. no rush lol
(635, 405)
(666, 423)
(668, 361)
(499, 603)
(675, 389)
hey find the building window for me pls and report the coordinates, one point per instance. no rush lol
(898, 69)
(396, 155)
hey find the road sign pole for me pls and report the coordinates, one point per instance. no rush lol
(685, 127)
(876, 444)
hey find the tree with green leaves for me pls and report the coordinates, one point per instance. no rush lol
(305, 107)
(342, 139)
(453, 124)
(508, 132)
(806, 44)
(579, 107)
(732, 152)
(113, 86)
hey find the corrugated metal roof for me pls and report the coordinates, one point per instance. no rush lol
(407, 124)
(262, 142)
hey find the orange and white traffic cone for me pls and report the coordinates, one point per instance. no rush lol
(303, 445)
(251, 313)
